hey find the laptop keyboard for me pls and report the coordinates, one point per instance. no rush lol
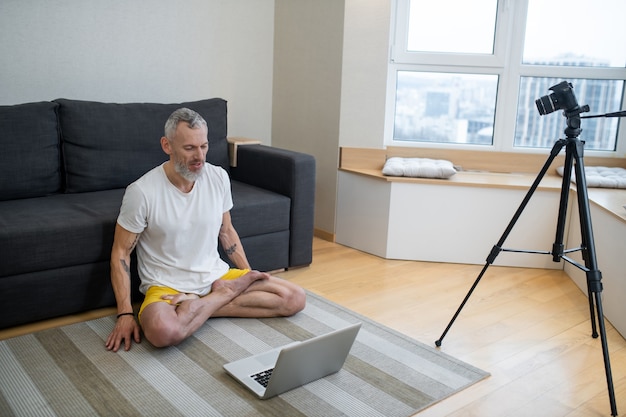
(263, 377)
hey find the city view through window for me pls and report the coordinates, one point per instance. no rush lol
(452, 106)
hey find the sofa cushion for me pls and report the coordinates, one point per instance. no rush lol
(601, 177)
(257, 211)
(56, 292)
(30, 161)
(108, 145)
(268, 252)
(418, 167)
(57, 231)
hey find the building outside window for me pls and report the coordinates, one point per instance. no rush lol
(467, 74)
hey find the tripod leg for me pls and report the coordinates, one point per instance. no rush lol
(594, 276)
(605, 354)
(495, 251)
(458, 311)
(586, 232)
(592, 309)
(557, 247)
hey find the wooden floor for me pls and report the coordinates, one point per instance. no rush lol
(528, 327)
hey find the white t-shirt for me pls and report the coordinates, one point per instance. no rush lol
(179, 231)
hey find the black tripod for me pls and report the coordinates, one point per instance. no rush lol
(573, 158)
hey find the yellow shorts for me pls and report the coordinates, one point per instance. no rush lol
(154, 294)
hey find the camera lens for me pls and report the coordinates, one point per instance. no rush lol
(546, 104)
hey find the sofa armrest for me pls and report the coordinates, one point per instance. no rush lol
(288, 173)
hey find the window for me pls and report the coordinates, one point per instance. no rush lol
(445, 107)
(425, 23)
(467, 74)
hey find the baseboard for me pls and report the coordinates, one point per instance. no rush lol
(324, 235)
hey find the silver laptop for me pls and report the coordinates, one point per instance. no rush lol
(282, 369)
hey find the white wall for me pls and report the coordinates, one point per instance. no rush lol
(142, 50)
(364, 82)
(307, 91)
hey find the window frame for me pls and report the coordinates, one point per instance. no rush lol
(505, 62)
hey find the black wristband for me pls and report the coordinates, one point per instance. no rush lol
(125, 314)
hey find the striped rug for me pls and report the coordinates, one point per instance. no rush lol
(68, 372)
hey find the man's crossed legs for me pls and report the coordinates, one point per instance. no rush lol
(253, 294)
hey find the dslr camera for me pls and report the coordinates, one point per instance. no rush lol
(562, 98)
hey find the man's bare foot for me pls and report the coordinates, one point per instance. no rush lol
(176, 299)
(238, 285)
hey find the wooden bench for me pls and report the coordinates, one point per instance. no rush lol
(485, 169)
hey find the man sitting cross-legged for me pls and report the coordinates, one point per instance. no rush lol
(174, 215)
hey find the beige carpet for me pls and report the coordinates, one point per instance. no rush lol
(68, 372)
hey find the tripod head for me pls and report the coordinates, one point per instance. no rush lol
(573, 122)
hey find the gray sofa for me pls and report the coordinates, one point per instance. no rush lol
(64, 166)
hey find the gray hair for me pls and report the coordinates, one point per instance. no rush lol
(192, 118)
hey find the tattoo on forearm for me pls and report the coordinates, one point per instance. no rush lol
(229, 251)
(125, 266)
(132, 247)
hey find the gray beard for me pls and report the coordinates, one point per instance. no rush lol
(182, 169)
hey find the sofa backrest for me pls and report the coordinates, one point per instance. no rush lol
(30, 160)
(108, 145)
